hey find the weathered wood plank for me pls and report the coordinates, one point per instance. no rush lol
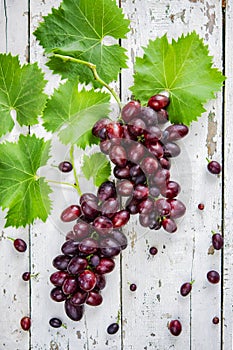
(228, 203)
(14, 295)
(182, 256)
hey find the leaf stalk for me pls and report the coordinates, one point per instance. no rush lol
(95, 74)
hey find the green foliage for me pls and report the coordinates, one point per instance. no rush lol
(21, 89)
(184, 69)
(79, 29)
(73, 113)
(97, 167)
(21, 191)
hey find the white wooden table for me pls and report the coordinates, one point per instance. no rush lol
(181, 257)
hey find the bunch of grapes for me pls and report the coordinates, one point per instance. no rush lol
(89, 251)
(141, 152)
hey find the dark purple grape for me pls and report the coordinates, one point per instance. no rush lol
(77, 265)
(58, 278)
(106, 190)
(70, 235)
(25, 323)
(26, 276)
(213, 276)
(158, 101)
(61, 262)
(99, 129)
(121, 173)
(65, 167)
(57, 295)
(118, 156)
(137, 126)
(75, 313)
(70, 285)
(139, 180)
(88, 245)
(171, 190)
(124, 188)
(178, 209)
(133, 287)
(217, 241)
(120, 237)
(163, 207)
(71, 213)
(135, 171)
(136, 152)
(146, 206)
(105, 146)
(154, 191)
(114, 130)
(140, 192)
(175, 327)
(215, 320)
(169, 225)
(132, 206)
(201, 206)
(100, 282)
(81, 229)
(156, 224)
(156, 148)
(20, 245)
(145, 220)
(149, 116)
(94, 260)
(186, 288)
(70, 247)
(79, 298)
(130, 110)
(106, 265)
(161, 178)
(153, 250)
(110, 207)
(87, 280)
(171, 150)
(88, 197)
(214, 167)
(55, 322)
(90, 209)
(162, 116)
(109, 247)
(149, 165)
(154, 134)
(103, 225)
(113, 328)
(120, 218)
(165, 163)
(94, 298)
(176, 132)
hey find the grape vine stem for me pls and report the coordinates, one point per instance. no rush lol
(95, 74)
(62, 183)
(77, 186)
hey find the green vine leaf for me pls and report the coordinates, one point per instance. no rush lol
(21, 89)
(184, 69)
(73, 113)
(96, 167)
(25, 194)
(78, 30)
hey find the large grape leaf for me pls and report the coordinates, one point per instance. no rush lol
(21, 89)
(184, 69)
(73, 113)
(25, 194)
(78, 28)
(97, 167)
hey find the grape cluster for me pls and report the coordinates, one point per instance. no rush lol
(89, 251)
(141, 152)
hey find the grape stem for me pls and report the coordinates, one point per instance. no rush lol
(61, 183)
(77, 186)
(95, 74)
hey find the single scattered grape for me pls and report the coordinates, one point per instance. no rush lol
(25, 323)
(175, 327)
(153, 250)
(213, 276)
(133, 287)
(55, 322)
(201, 206)
(65, 167)
(215, 320)
(217, 241)
(113, 328)
(214, 167)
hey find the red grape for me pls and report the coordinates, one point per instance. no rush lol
(175, 327)
(25, 323)
(213, 276)
(71, 213)
(65, 167)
